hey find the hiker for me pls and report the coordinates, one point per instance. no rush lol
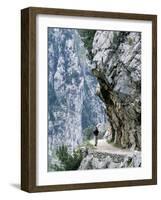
(95, 132)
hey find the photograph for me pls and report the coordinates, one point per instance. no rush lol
(94, 99)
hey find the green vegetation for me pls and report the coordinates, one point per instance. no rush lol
(117, 145)
(115, 38)
(88, 145)
(87, 37)
(130, 41)
(129, 162)
(109, 142)
(88, 133)
(68, 161)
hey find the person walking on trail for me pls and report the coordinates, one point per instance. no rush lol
(95, 132)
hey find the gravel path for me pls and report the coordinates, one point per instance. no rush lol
(103, 146)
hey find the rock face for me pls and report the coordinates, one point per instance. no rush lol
(72, 103)
(104, 160)
(117, 66)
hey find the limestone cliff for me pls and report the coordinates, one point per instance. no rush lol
(72, 104)
(117, 66)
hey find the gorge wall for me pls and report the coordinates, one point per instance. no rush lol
(72, 103)
(117, 66)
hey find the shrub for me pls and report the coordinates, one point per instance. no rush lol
(88, 133)
(68, 161)
(130, 41)
(87, 38)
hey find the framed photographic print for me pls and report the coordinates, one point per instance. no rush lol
(88, 99)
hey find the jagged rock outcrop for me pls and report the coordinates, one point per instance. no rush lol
(104, 160)
(117, 66)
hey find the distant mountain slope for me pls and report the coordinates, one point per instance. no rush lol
(72, 103)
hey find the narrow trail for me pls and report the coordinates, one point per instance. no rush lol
(103, 146)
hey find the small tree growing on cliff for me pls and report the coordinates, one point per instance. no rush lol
(88, 133)
(87, 38)
(69, 161)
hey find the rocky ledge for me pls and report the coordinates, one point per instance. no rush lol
(104, 160)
